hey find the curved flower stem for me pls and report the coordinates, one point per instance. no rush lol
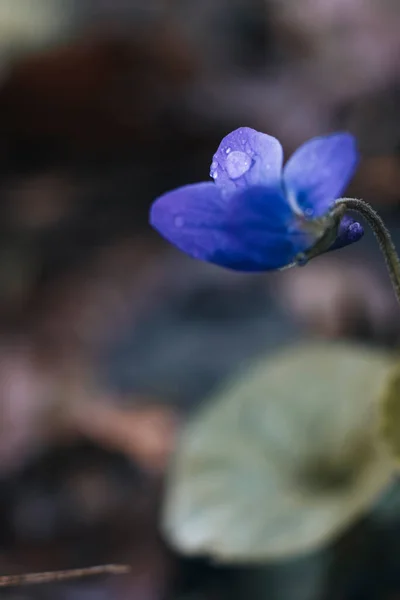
(382, 235)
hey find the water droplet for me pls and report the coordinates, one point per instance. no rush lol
(228, 150)
(213, 169)
(237, 164)
(309, 212)
(179, 221)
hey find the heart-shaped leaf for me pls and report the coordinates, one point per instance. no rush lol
(390, 413)
(283, 458)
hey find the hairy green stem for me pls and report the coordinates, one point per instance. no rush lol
(382, 235)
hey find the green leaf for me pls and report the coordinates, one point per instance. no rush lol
(283, 458)
(390, 413)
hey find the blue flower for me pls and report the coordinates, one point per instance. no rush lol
(256, 216)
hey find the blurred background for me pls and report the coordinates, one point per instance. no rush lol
(109, 338)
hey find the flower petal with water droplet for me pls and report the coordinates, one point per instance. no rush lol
(254, 217)
(247, 157)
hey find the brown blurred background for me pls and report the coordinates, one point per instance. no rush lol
(108, 337)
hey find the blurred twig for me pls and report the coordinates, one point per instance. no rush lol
(51, 576)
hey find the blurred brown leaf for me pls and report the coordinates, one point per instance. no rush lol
(96, 92)
(145, 433)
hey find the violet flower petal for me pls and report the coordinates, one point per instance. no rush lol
(252, 230)
(247, 157)
(319, 171)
